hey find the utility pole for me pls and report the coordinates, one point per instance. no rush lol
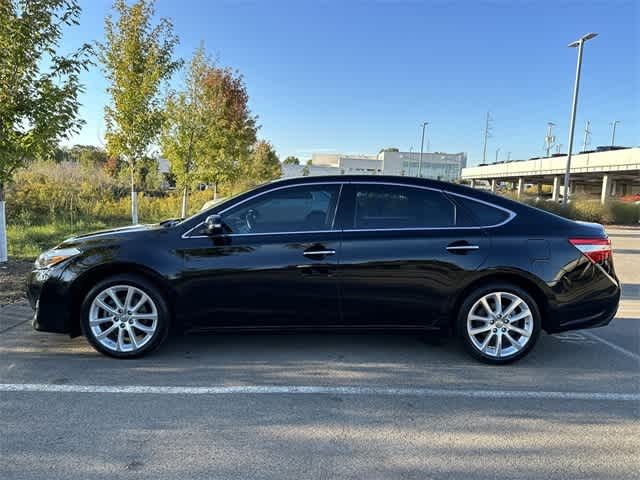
(508, 156)
(613, 131)
(487, 135)
(587, 136)
(497, 152)
(574, 107)
(549, 139)
(424, 127)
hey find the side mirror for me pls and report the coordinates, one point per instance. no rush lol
(213, 224)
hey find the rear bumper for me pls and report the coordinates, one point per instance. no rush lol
(595, 296)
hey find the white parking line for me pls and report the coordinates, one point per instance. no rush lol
(617, 348)
(322, 390)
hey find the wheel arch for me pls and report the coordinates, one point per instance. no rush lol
(87, 280)
(527, 284)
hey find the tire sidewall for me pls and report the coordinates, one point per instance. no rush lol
(473, 298)
(149, 289)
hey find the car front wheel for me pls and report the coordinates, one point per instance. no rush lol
(125, 316)
(499, 323)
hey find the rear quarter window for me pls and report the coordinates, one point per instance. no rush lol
(478, 214)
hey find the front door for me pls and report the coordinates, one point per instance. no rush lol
(403, 255)
(274, 264)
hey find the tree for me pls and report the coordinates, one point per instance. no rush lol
(231, 130)
(39, 88)
(291, 160)
(264, 164)
(184, 135)
(138, 61)
(306, 170)
(87, 155)
(389, 149)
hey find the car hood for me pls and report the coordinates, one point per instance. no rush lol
(111, 233)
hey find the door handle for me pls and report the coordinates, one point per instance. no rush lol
(462, 247)
(311, 253)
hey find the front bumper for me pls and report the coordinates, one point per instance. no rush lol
(49, 296)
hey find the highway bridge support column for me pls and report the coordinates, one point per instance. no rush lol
(555, 193)
(473, 183)
(606, 188)
(520, 187)
(493, 185)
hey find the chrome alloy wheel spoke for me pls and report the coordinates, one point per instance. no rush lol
(496, 335)
(122, 318)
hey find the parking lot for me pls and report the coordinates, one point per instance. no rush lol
(325, 406)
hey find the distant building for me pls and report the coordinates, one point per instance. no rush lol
(439, 166)
(349, 164)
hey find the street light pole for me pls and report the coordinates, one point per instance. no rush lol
(424, 126)
(574, 106)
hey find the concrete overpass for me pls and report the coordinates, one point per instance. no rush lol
(608, 173)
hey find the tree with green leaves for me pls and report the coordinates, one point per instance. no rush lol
(291, 160)
(231, 129)
(263, 165)
(39, 87)
(186, 128)
(138, 61)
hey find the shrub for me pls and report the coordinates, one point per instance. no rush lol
(71, 193)
(625, 213)
(591, 210)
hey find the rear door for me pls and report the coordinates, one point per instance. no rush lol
(404, 254)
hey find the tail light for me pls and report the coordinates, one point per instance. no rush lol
(595, 249)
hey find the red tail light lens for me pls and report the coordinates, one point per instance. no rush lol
(595, 249)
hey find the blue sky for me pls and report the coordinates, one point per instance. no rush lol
(356, 76)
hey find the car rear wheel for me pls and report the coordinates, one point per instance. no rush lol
(125, 316)
(499, 323)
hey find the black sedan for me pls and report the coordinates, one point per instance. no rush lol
(335, 253)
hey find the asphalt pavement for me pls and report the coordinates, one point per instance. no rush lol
(367, 406)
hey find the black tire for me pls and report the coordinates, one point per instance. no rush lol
(139, 282)
(476, 295)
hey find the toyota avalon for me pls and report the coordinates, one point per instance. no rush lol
(335, 253)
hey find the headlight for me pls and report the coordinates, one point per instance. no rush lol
(53, 256)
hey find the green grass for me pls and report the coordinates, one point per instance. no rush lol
(27, 242)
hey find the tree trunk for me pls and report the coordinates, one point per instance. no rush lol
(215, 190)
(3, 228)
(185, 203)
(134, 199)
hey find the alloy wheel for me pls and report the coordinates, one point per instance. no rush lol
(500, 324)
(123, 318)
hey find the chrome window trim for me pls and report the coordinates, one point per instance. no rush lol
(186, 235)
(511, 213)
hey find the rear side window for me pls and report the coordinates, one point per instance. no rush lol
(479, 214)
(391, 206)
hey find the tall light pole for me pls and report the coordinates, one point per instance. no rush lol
(424, 126)
(574, 106)
(497, 153)
(613, 131)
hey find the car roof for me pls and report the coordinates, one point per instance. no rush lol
(409, 181)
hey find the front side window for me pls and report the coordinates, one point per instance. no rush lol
(392, 206)
(303, 208)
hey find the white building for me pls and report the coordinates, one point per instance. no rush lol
(439, 166)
